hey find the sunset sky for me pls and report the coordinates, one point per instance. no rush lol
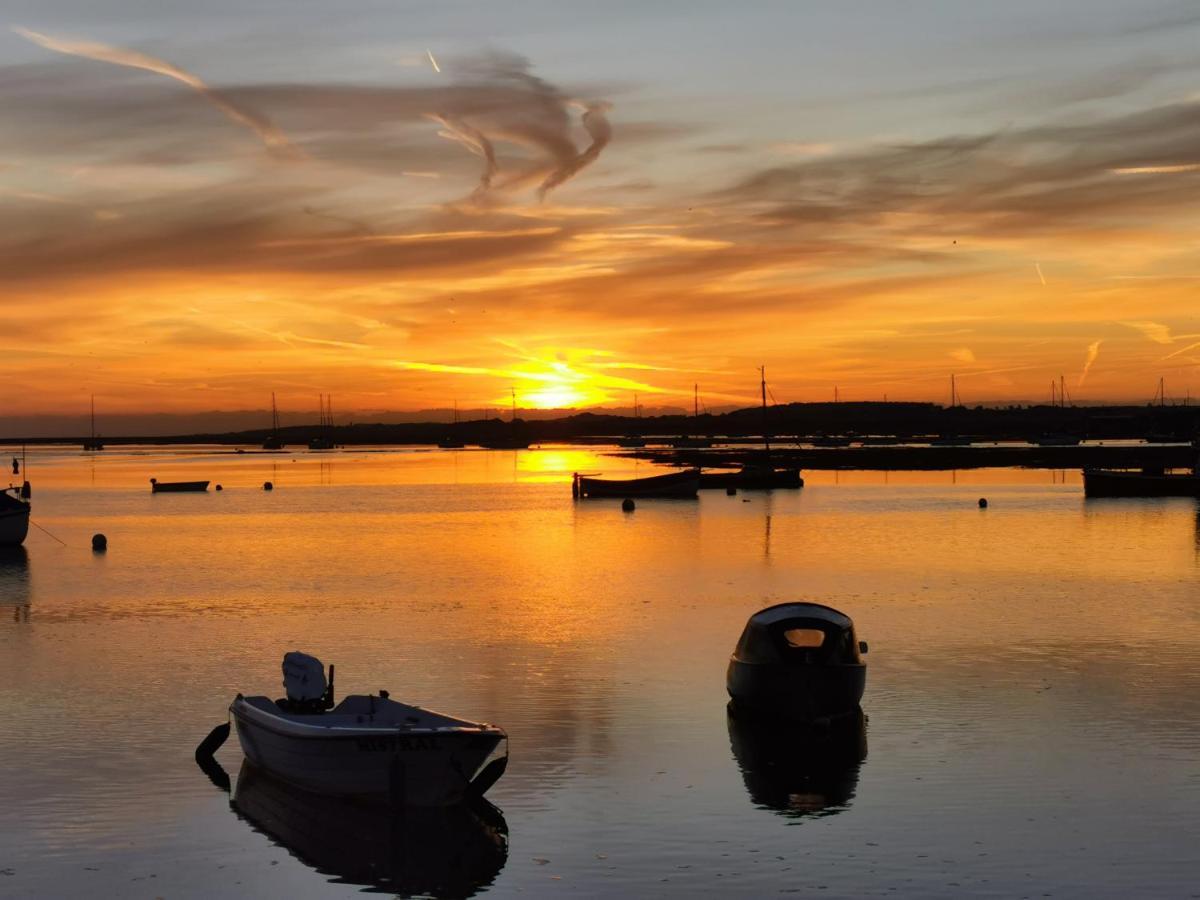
(409, 203)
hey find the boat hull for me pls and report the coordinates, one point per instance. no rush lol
(1104, 483)
(178, 487)
(801, 693)
(429, 767)
(675, 485)
(14, 524)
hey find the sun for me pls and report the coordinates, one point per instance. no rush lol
(555, 396)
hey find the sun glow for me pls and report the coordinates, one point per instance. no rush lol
(558, 396)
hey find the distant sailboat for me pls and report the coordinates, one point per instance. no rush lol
(93, 443)
(691, 440)
(635, 439)
(452, 441)
(323, 440)
(273, 441)
(513, 440)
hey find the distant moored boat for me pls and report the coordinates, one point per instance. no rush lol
(671, 485)
(177, 487)
(1144, 483)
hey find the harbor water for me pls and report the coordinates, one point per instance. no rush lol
(1032, 706)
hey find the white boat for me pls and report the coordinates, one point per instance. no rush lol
(367, 746)
(14, 515)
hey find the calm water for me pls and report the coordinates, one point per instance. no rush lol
(1033, 691)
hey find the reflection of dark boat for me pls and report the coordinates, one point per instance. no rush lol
(798, 661)
(797, 770)
(671, 485)
(177, 487)
(367, 746)
(753, 478)
(447, 852)
(14, 579)
(14, 515)
(1144, 483)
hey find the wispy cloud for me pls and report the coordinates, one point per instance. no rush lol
(272, 137)
(1093, 351)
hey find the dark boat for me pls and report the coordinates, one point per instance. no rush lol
(671, 485)
(177, 487)
(14, 515)
(799, 771)
(1144, 483)
(798, 662)
(446, 852)
(753, 478)
(828, 440)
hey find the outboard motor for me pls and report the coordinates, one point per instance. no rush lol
(305, 684)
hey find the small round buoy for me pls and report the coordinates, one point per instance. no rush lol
(267, 486)
(99, 543)
(627, 504)
(219, 488)
(983, 502)
(731, 491)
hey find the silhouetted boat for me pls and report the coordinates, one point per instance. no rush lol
(514, 439)
(323, 439)
(830, 441)
(369, 746)
(798, 771)
(753, 478)
(273, 441)
(14, 515)
(93, 444)
(798, 661)
(671, 485)
(177, 487)
(1144, 483)
(688, 440)
(452, 441)
(445, 852)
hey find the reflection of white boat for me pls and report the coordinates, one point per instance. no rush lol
(14, 515)
(448, 852)
(366, 746)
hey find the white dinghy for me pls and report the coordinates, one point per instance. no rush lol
(366, 746)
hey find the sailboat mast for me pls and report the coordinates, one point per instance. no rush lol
(513, 391)
(93, 417)
(696, 400)
(762, 383)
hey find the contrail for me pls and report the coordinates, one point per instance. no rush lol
(1038, 266)
(1093, 351)
(475, 141)
(598, 127)
(272, 137)
(432, 61)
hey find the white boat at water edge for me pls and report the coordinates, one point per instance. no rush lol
(367, 746)
(14, 515)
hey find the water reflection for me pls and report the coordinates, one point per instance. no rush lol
(14, 581)
(799, 771)
(451, 852)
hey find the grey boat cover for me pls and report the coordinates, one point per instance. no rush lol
(303, 676)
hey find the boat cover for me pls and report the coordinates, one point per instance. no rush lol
(303, 676)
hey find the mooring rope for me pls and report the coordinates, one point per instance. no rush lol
(56, 537)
